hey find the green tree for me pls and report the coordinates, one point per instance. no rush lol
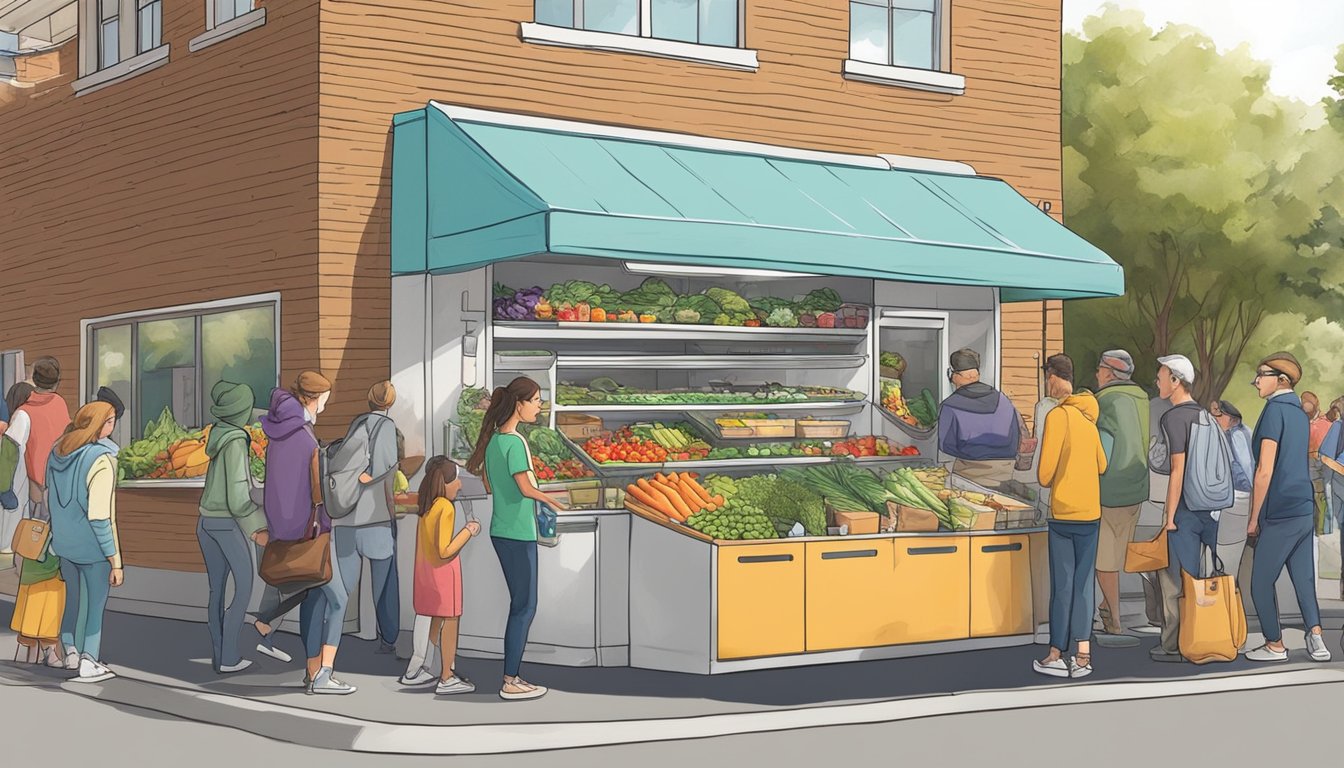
(1206, 187)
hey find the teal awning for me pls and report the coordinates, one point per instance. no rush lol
(468, 191)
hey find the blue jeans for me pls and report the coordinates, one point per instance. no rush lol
(1194, 531)
(378, 545)
(86, 590)
(225, 550)
(1073, 559)
(322, 614)
(1284, 542)
(518, 559)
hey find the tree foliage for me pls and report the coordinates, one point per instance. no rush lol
(1209, 189)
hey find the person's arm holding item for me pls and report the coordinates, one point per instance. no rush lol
(103, 513)
(1174, 488)
(382, 452)
(515, 454)
(448, 544)
(238, 491)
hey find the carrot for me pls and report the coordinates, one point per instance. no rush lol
(717, 501)
(699, 491)
(674, 496)
(643, 498)
(688, 492)
(673, 511)
(660, 478)
(660, 502)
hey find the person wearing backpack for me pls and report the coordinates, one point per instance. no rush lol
(1283, 507)
(361, 471)
(1200, 485)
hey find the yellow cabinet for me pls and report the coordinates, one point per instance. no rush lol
(760, 610)
(846, 586)
(1000, 586)
(930, 592)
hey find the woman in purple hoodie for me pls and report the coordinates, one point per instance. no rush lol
(289, 499)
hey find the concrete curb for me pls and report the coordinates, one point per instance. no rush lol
(320, 730)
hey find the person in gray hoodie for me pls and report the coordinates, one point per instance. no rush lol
(369, 531)
(229, 518)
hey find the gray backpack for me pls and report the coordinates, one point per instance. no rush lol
(1208, 467)
(346, 460)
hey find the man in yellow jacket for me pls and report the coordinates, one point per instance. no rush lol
(1072, 460)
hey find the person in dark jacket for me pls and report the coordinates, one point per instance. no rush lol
(288, 504)
(978, 425)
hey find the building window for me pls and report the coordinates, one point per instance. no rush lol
(109, 33)
(11, 371)
(901, 33)
(706, 22)
(149, 25)
(163, 365)
(228, 10)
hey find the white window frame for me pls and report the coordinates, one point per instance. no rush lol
(157, 14)
(226, 30)
(643, 42)
(89, 369)
(94, 77)
(940, 79)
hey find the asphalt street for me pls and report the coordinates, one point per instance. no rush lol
(1281, 726)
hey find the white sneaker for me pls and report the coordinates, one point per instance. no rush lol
(455, 685)
(72, 660)
(326, 683)
(1316, 647)
(1265, 653)
(1076, 670)
(52, 658)
(422, 678)
(1056, 668)
(91, 671)
(239, 667)
(1147, 629)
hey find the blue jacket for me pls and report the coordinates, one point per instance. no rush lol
(1243, 461)
(73, 535)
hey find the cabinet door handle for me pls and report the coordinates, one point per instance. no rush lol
(849, 554)
(1014, 547)
(931, 550)
(765, 559)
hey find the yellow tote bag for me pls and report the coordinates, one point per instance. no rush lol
(1147, 556)
(1213, 621)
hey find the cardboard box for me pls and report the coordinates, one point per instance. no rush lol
(578, 426)
(911, 519)
(782, 428)
(858, 522)
(823, 429)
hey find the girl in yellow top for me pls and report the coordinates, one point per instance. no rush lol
(438, 572)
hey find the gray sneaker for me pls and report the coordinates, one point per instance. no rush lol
(325, 683)
(454, 685)
(1316, 647)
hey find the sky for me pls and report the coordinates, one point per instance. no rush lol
(1297, 37)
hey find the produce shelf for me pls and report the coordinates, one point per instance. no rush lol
(570, 331)
(913, 432)
(711, 362)
(829, 406)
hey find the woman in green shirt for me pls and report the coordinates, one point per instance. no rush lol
(503, 460)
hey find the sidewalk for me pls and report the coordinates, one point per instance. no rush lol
(164, 667)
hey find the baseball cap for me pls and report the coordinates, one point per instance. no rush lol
(1118, 360)
(1180, 367)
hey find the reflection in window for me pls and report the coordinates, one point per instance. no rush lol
(239, 346)
(112, 369)
(618, 16)
(166, 364)
(707, 22)
(903, 33)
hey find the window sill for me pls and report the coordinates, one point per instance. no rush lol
(229, 29)
(545, 34)
(122, 70)
(905, 77)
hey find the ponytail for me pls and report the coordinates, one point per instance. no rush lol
(503, 405)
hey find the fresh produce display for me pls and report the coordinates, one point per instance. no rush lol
(921, 412)
(605, 391)
(680, 440)
(734, 520)
(956, 510)
(862, 447)
(171, 451)
(654, 301)
(624, 448)
(785, 501)
(844, 486)
(677, 495)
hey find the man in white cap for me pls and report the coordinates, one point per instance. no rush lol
(1124, 485)
(1187, 530)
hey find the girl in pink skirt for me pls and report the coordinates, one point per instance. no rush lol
(438, 572)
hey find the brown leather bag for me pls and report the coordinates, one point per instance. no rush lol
(31, 538)
(304, 564)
